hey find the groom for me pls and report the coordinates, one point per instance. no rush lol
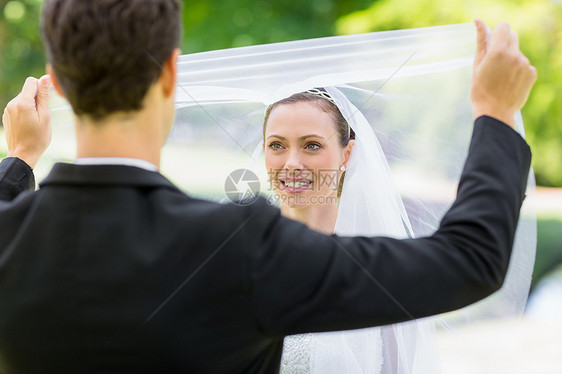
(110, 268)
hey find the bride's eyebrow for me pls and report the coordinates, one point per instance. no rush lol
(300, 139)
(276, 136)
(311, 136)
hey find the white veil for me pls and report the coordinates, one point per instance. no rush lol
(411, 88)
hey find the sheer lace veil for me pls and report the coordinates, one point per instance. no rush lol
(406, 95)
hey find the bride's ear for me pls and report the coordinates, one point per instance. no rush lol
(54, 80)
(347, 151)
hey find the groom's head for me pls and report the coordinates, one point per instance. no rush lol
(106, 54)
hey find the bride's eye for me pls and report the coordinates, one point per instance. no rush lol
(275, 146)
(313, 146)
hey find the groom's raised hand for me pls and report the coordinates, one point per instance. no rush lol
(502, 77)
(27, 121)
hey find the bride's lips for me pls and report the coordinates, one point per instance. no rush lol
(295, 186)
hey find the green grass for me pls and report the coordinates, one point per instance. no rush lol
(549, 254)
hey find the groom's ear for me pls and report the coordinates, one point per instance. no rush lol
(54, 80)
(170, 73)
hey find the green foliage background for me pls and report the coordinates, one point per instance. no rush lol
(213, 25)
(539, 26)
(21, 49)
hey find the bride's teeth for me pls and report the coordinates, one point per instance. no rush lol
(296, 184)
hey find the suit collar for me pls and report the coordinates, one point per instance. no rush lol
(105, 175)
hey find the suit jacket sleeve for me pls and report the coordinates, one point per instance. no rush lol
(306, 281)
(15, 177)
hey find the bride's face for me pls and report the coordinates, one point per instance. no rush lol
(303, 154)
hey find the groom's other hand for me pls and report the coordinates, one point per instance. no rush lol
(502, 77)
(27, 121)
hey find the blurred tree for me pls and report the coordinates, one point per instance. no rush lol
(21, 49)
(213, 25)
(538, 23)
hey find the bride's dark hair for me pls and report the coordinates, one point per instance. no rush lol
(107, 53)
(322, 100)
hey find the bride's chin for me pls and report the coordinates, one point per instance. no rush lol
(293, 201)
(297, 206)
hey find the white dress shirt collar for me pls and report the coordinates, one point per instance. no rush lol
(116, 161)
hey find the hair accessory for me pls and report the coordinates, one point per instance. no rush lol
(320, 92)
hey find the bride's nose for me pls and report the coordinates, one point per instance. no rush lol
(293, 161)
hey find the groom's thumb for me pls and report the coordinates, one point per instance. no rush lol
(482, 36)
(43, 96)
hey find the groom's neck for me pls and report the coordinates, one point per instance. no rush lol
(139, 134)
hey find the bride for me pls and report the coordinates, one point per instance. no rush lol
(328, 171)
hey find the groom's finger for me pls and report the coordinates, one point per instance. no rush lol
(513, 41)
(43, 95)
(482, 35)
(29, 90)
(500, 37)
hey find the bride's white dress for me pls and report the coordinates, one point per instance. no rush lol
(356, 351)
(297, 353)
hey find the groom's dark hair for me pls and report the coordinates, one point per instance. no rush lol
(107, 53)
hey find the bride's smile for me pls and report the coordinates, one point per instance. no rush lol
(295, 186)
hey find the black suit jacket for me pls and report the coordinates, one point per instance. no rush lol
(112, 269)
